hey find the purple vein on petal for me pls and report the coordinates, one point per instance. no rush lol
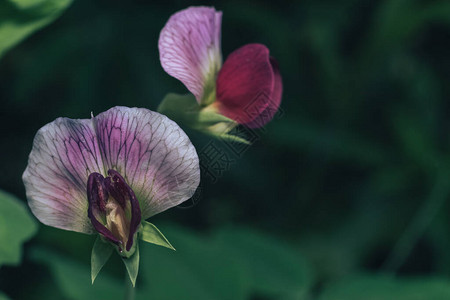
(64, 153)
(153, 154)
(161, 164)
(189, 47)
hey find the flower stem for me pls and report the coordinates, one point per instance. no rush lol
(130, 291)
(419, 224)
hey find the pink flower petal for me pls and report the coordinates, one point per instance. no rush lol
(248, 84)
(152, 153)
(274, 100)
(64, 153)
(189, 48)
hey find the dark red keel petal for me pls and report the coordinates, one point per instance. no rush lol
(122, 191)
(135, 219)
(274, 99)
(246, 83)
(97, 196)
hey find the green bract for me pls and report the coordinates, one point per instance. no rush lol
(132, 265)
(151, 234)
(184, 109)
(102, 251)
(244, 263)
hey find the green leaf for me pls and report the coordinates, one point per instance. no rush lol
(200, 270)
(132, 265)
(272, 267)
(244, 264)
(3, 296)
(16, 226)
(151, 234)
(20, 18)
(101, 252)
(384, 287)
(72, 276)
(415, 139)
(223, 265)
(25, 4)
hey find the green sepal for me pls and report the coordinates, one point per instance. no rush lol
(132, 265)
(211, 117)
(233, 138)
(185, 110)
(180, 108)
(151, 234)
(123, 251)
(101, 252)
(221, 131)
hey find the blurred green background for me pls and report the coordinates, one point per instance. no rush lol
(342, 196)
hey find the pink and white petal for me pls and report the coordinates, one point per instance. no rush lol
(274, 100)
(64, 153)
(189, 47)
(245, 83)
(152, 153)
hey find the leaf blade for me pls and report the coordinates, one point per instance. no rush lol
(20, 18)
(16, 226)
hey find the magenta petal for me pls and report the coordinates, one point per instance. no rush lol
(274, 100)
(246, 83)
(152, 153)
(189, 47)
(65, 152)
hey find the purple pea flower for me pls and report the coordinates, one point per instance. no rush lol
(246, 89)
(107, 174)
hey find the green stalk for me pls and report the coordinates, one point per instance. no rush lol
(129, 289)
